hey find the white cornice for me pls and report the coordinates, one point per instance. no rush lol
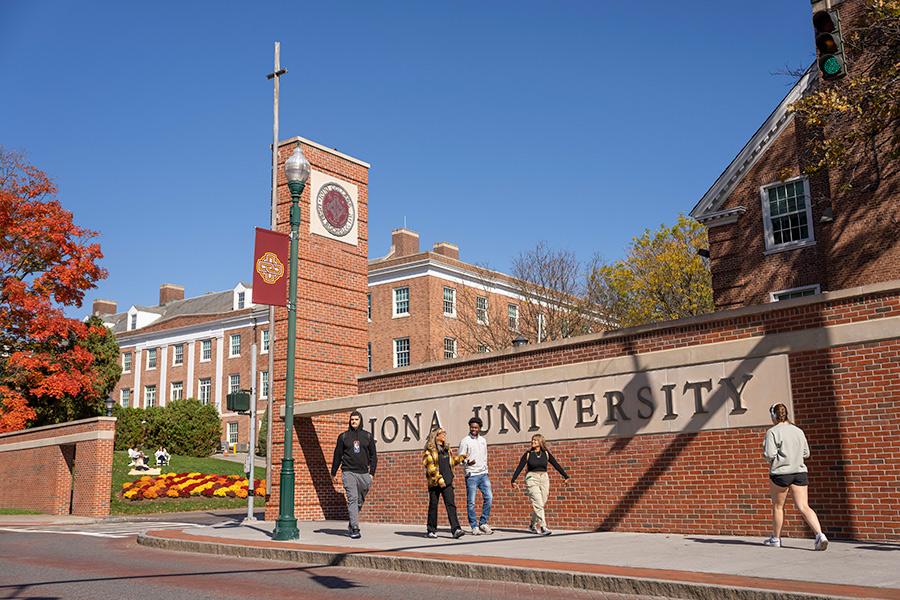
(713, 199)
(435, 268)
(722, 217)
(194, 331)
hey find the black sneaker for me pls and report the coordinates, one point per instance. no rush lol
(458, 533)
(355, 534)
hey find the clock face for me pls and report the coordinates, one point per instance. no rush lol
(335, 208)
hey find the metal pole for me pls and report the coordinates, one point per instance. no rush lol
(286, 525)
(251, 452)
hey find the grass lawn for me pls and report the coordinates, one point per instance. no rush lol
(178, 464)
(18, 511)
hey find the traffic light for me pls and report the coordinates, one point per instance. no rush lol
(829, 44)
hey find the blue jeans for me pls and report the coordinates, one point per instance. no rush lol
(474, 483)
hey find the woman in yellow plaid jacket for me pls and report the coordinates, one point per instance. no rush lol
(439, 461)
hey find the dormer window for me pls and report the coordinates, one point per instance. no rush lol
(240, 299)
(133, 324)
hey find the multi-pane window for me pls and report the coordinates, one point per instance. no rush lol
(233, 433)
(265, 341)
(483, 348)
(126, 362)
(205, 390)
(133, 322)
(481, 310)
(512, 313)
(240, 299)
(788, 217)
(205, 350)
(149, 396)
(369, 309)
(235, 345)
(178, 354)
(151, 358)
(177, 390)
(125, 397)
(450, 302)
(369, 357)
(401, 301)
(810, 290)
(401, 352)
(263, 384)
(234, 383)
(449, 348)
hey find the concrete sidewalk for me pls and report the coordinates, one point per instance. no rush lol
(683, 566)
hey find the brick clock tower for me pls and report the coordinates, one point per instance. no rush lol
(331, 318)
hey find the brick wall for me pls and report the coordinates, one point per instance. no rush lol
(68, 472)
(846, 398)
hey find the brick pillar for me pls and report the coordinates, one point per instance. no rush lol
(331, 326)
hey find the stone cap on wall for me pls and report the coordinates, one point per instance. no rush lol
(57, 426)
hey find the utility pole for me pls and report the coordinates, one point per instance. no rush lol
(276, 75)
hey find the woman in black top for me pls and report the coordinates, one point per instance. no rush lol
(537, 481)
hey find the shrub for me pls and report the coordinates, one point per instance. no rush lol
(263, 434)
(184, 427)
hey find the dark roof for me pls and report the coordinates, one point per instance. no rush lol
(207, 304)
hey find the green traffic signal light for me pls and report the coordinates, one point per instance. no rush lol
(829, 44)
(831, 66)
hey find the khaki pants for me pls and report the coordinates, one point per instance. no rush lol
(537, 488)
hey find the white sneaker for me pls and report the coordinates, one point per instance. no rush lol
(431, 534)
(486, 529)
(821, 542)
(774, 542)
(545, 531)
(476, 531)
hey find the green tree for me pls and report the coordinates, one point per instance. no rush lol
(662, 277)
(263, 434)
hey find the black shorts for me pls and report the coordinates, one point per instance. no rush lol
(789, 479)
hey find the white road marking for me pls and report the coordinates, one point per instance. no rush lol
(107, 530)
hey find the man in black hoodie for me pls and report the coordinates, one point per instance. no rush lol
(355, 454)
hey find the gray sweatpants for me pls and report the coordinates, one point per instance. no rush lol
(356, 486)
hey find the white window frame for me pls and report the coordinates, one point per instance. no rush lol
(231, 339)
(127, 364)
(133, 322)
(178, 355)
(396, 302)
(208, 390)
(125, 397)
(264, 341)
(816, 288)
(483, 348)
(451, 301)
(234, 385)
(369, 357)
(512, 321)
(233, 432)
(263, 384)
(397, 352)
(369, 308)
(478, 310)
(155, 354)
(147, 390)
(205, 345)
(768, 233)
(241, 300)
(449, 348)
(176, 390)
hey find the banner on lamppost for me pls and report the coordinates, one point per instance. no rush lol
(270, 267)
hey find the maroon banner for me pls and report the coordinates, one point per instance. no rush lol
(270, 267)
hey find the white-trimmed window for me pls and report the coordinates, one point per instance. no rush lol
(204, 390)
(133, 322)
(125, 397)
(177, 391)
(483, 349)
(151, 358)
(449, 302)
(178, 354)
(797, 292)
(369, 357)
(234, 383)
(787, 214)
(234, 345)
(481, 310)
(126, 362)
(449, 348)
(264, 342)
(263, 384)
(369, 309)
(401, 301)
(512, 313)
(241, 299)
(233, 432)
(205, 350)
(401, 352)
(149, 396)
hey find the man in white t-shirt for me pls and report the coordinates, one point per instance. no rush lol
(474, 446)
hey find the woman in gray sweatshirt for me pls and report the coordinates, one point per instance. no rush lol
(785, 448)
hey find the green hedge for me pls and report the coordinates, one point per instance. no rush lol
(184, 427)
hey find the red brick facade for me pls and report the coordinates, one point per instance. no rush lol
(37, 466)
(846, 398)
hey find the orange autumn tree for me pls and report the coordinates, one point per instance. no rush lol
(46, 263)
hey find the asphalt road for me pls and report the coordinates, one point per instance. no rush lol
(83, 562)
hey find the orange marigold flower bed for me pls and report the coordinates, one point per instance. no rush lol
(185, 485)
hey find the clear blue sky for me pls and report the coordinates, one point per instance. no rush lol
(492, 125)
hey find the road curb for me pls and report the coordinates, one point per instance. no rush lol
(378, 560)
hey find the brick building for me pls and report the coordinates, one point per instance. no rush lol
(778, 232)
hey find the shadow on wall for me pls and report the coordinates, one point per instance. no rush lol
(332, 502)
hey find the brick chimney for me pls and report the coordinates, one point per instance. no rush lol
(103, 307)
(446, 249)
(404, 243)
(169, 292)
